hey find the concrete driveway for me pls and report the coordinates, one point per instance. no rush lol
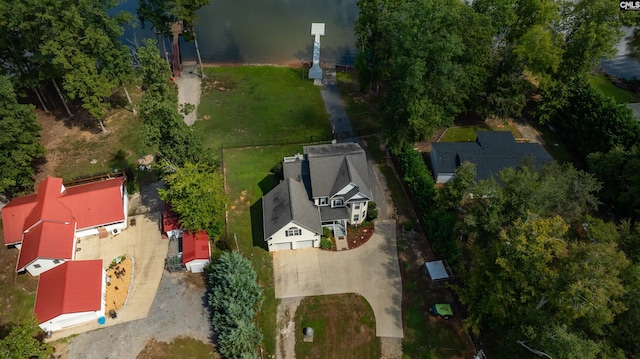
(143, 243)
(370, 270)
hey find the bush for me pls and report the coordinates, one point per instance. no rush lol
(326, 243)
(407, 226)
(372, 211)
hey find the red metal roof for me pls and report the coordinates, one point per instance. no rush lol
(53, 240)
(195, 246)
(170, 220)
(97, 203)
(13, 217)
(71, 287)
(91, 204)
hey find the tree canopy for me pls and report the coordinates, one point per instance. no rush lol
(21, 343)
(196, 193)
(19, 145)
(235, 299)
(75, 41)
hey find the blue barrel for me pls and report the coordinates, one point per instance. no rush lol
(101, 320)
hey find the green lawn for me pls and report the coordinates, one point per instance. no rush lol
(343, 327)
(260, 105)
(607, 87)
(248, 179)
(178, 348)
(462, 134)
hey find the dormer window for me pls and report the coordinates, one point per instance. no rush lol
(323, 201)
(338, 202)
(293, 231)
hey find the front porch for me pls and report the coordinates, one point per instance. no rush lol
(339, 230)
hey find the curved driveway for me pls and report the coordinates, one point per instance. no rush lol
(370, 270)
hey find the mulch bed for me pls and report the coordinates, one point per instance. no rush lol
(357, 236)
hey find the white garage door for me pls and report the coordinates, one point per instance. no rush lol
(305, 244)
(281, 246)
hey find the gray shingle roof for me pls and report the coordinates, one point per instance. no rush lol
(492, 152)
(288, 202)
(334, 166)
(332, 214)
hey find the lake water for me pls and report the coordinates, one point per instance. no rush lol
(278, 32)
(267, 31)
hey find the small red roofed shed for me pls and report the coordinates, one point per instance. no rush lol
(70, 294)
(196, 250)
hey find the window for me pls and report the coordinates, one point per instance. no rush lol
(293, 231)
(56, 261)
(323, 201)
(337, 202)
(36, 266)
(364, 214)
(356, 218)
(356, 206)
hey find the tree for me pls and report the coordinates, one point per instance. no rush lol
(619, 170)
(19, 145)
(588, 121)
(164, 128)
(20, 343)
(235, 299)
(75, 41)
(196, 193)
(428, 55)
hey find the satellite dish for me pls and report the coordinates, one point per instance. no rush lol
(334, 141)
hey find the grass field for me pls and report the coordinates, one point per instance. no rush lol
(248, 179)
(343, 327)
(260, 105)
(607, 87)
(179, 348)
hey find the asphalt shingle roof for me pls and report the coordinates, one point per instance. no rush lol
(332, 167)
(492, 152)
(288, 202)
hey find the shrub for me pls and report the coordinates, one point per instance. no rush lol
(407, 226)
(372, 211)
(326, 243)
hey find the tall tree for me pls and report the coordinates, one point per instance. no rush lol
(21, 343)
(235, 299)
(196, 193)
(19, 141)
(75, 41)
(429, 60)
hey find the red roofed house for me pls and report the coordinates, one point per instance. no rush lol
(196, 251)
(193, 248)
(44, 226)
(70, 294)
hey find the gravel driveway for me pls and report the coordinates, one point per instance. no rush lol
(179, 309)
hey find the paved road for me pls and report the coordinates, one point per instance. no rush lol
(371, 270)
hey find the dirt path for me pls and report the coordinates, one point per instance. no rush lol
(286, 339)
(189, 89)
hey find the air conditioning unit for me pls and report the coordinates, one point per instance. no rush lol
(115, 231)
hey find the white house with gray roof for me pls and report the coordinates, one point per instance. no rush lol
(327, 186)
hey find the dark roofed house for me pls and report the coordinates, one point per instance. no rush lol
(492, 152)
(328, 186)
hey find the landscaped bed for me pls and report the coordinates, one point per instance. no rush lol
(119, 275)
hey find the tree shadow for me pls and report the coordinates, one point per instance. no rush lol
(257, 231)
